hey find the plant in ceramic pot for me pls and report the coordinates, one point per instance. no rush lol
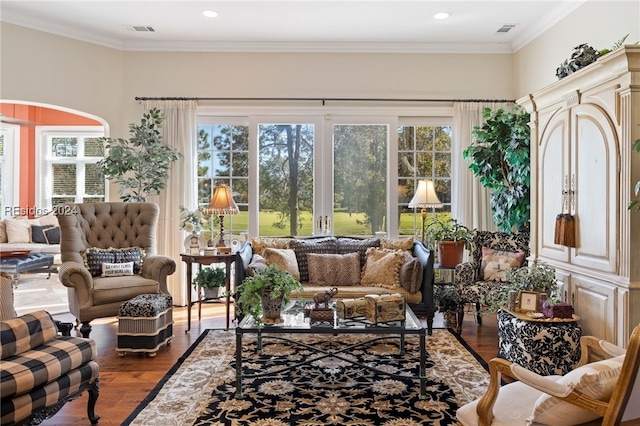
(451, 238)
(212, 280)
(540, 277)
(263, 294)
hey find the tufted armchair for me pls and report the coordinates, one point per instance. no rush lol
(471, 286)
(110, 229)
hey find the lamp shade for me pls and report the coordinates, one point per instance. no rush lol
(222, 203)
(425, 196)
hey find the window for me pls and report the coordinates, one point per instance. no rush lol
(223, 157)
(9, 169)
(424, 152)
(299, 172)
(68, 172)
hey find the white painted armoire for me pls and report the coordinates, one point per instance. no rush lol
(582, 162)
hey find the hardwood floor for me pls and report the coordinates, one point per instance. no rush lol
(126, 381)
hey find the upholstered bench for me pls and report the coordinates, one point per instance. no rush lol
(14, 266)
(145, 323)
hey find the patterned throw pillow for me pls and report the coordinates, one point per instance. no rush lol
(350, 245)
(382, 268)
(303, 247)
(257, 265)
(95, 257)
(285, 259)
(334, 269)
(495, 263)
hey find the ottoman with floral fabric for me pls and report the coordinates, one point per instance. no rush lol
(543, 347)
(145, 323)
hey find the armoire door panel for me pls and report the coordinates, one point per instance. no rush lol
(594, 301)
(594, 180)
(553, 173)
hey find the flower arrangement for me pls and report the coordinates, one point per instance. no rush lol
(190, 221)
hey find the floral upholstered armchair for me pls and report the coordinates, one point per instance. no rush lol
(492, 254)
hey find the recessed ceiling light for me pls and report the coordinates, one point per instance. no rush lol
(210, 13)
(442, 15)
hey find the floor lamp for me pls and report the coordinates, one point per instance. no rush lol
(424, 197)
(221, 204)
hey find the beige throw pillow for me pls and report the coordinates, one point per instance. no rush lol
(18, 230)
(285, 259)
(596, 380)
(495, 263)
(334, 269)
(382, 268)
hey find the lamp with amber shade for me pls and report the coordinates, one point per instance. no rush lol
(221, 204)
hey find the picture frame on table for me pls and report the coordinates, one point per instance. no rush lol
(528, 301)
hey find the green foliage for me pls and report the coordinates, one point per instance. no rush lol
(141, 164)
(540, 278)
(615, 46)
(210, 278)
(446, 297)
(499, 158)
(636, 201)
(445, 228)
(274, 280)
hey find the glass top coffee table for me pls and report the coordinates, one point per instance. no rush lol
(295, 321)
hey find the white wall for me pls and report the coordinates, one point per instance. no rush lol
(597, 23)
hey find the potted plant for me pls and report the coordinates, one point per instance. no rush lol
(212, 280)
(451, 238)
(141, 164)
(447, 299)
(263, 294)
(540, 277)
(499, 158)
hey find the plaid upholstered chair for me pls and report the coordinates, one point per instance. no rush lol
(40, 369)
(95, 234)
(491, 254)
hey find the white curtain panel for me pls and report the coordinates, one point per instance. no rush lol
(471, 202)
(179, 131)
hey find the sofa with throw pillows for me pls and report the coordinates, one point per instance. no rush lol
(39, 235)
(356, 266)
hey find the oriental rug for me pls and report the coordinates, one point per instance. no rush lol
(200, 388)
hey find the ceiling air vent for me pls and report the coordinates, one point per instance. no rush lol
(506, 28)
(142, 28)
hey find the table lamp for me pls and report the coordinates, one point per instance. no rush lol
(221, 204)
(424, 197)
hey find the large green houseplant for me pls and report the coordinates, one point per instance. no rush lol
(264, 290)
(141, 164)
(499, 158)
(212, 280)
(450, 238)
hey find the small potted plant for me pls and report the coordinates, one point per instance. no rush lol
(447, 298)
(212, 280)
(263, 294)
(539, 277)
(451, 238)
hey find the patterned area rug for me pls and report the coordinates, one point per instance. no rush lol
(200, 388)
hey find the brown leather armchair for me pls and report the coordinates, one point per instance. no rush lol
(105, 227)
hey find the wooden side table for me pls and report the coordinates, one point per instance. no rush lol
(207, 259)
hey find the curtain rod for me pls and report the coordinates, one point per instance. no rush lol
(323, 100)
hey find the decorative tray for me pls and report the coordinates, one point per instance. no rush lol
(539, 317)
(7, 254)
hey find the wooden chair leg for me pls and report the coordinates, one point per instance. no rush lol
(460, 317)
(478, 316)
